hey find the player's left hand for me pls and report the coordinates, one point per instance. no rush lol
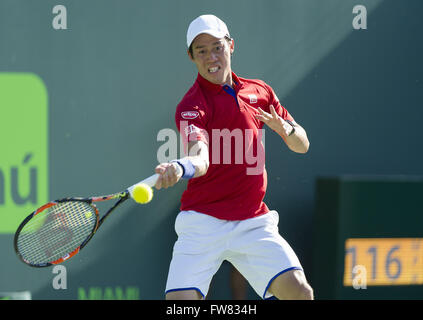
(274, 121)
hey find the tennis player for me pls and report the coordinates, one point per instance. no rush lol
(223, 216)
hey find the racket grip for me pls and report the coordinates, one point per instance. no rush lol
(150, 181)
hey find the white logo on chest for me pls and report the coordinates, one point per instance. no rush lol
(253, 98)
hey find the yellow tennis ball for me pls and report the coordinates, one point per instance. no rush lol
(88, 214)
(142, 193)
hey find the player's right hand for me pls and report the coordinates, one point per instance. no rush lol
(169, 175)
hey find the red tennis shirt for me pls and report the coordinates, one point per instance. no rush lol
(223, 117)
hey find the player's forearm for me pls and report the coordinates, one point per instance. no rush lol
(298, 141)
(200, 164)
(199, 157)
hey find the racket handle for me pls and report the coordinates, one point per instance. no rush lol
(150, 181)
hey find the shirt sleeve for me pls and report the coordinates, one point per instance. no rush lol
(274, 101)
(191, 123)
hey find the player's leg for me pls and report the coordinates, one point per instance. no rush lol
(238, 284)
(190, 275)
(291, 285)
(268, 262)
(196, 256)
(184, 295)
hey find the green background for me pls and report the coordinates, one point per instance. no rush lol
(24, 140)
(115, 75)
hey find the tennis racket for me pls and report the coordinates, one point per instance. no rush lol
(58, 230)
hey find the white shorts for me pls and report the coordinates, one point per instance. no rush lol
(253, 246)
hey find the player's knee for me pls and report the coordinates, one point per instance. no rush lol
(301, 291)
(292, 286)
(305, 292)
(184, 295)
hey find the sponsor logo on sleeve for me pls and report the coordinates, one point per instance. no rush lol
(191, 129)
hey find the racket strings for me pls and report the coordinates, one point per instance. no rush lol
(56, 231)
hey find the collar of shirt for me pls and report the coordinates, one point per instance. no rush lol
(217, 88)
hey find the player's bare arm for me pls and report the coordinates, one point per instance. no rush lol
(171, 173)
(293, 134)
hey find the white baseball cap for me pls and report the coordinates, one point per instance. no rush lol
(209, 24)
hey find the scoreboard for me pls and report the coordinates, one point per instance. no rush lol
(368, 238)
(384, 261)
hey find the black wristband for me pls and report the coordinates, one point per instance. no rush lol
(293, 127)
